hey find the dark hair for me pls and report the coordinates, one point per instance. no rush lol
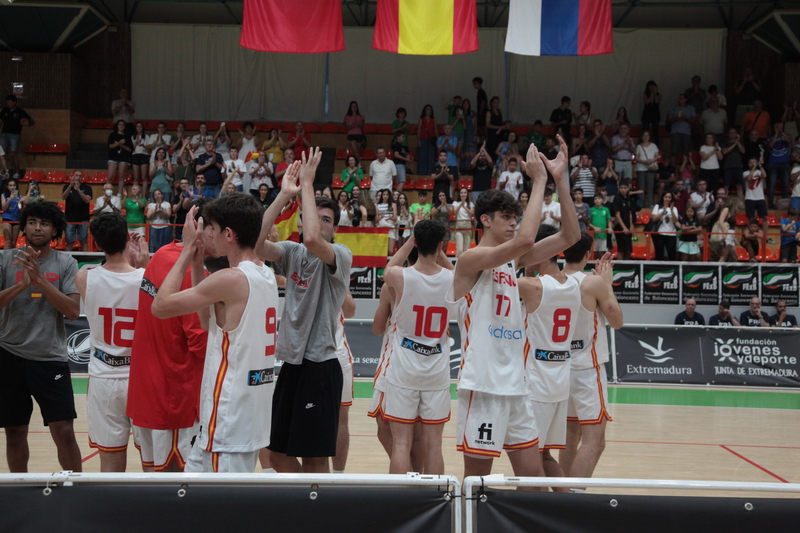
(427, 236)
(712, 88)
(649, 84)
(726, 304)
(587, 104)
(565, 99)
(323, 202)
(110, 232)
(793, 211)
(575, 253)
(456, 96)
(379, 196)
(626, 182)
(537, 122)
(426, 106)
(492, 201)
(400, 110)
(11, 97)
(239, 212)
(510, 159)
(202, 124)
(442, 152)
(161, 124)
(45, 211)
(248, 123)
(753, 222)
(116, 125)
(478, 79)
(545, 231)
(576, 189)
(350, 109)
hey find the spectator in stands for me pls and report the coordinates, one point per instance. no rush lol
(443, 176)
(585, 115)
(623, 148)
(600, 223)
(551, 211)
(780, 143)
(12, 205)
(754, 317)
(680, 196)
(222, 142)
(561, 120)
(732, 167)
(33, 194)
(681, 118)
(386, 216)
(76, 196)
(713, 92)
(426, 133)
(421, 210)
(523, 205)
(448, 143)
(184, 168)
(665, 237)
(752, 235)
(724, 317)
(748, 90)
(248, 141)
(123, 109)
(140, 157)
(584, 176)
(686, 171)
(599, 146)
(696, 96)
(690, 317)
(299, 140)
(781, 319)
(264, 196)
(550, 151)
(757, 119)
(701, 199)
(622, 207)
(511, 180)
(470, 144)
(198, 143)
(367, 209)
(790, 227)
(647, 155)
(755, 147)
(108, 203)
(119, 153)
(345, 209)
(354, 123)
(402, 158)
(404, 220)
(181, 204)
(211, 164)
(260, 173)
(4, 174)
(161, 174)
(795, 177)
(482, 167)
(482, 105)
(789, 119)
(609, 180)
(352, 174)
(494, 125)
(714, 119)
(754, 202)
(506, 150)
(12, 120)
(401, 125)
(440, 212)
(381, 171)
(455, 118)
(158, 213)
(200, 189)
(134, 209)
(160, 139)
(274, 147)
(236, 167)
(651, 111)
(688, 249)
(536, 137)
(464, 210)
(710, 156)
(619, 120)
(578, 146)
(581, 208)
(280, 169)
(180, 141)
(722, 240)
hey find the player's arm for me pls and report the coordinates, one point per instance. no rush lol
(80, 283)
(601, 288)
(570, 228)
(393, 278)
(383, 312)
(312, 234)
(68, 305)
(530, 290)
(349, 305)
(266, 249)
(401, 256)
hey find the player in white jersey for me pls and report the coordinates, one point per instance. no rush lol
(418, 378)
(238, 306)
(339, 461)
(382, 324)
(552, 301)
(588, 411)
(492, 411)
(110, 294)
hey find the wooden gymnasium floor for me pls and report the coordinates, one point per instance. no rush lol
(657, 433)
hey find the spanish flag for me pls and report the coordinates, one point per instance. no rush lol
(368, 245)
(287, 224)
(426, 27)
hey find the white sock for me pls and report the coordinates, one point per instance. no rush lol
(268, 471)
(338, 471)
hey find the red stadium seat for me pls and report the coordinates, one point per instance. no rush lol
(337, 183)
(641, 253)
(36, 148)
(771, 257)
(464, 183)
(128, 179)
(366, 183)
(742, 254)
(370, 128)
(410, 184)
(741, 219)
(773, 220)
(311, 127)
(424, 184)
(151, 125)
(56, 177)
(37, 175)
(235, 125)
(329, 127)
(98, 178)
(343, 153)
(385, 129)
(99, 124)
(193, 125)
(451, 248)
(62, 206)
(58, 148)
(643, 217)
(368, 153)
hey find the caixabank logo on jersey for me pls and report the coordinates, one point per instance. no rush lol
(779, 283)
(739, 284)
(362, 282)
(752, 357)
(657, 355)
(660, 284)
(627, 283)
(700, 283)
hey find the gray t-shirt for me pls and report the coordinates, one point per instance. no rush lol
(30, 326)
(314, 296)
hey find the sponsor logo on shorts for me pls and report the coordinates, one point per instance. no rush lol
(421, 349)
(148, 287)
(260, 377)
(576, 345)
(112, 360)
(503, 333)
(551, 355)
(485, 434)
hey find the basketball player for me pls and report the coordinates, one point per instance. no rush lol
(239, 308)
(551, 302)
(166, 368)
(110, 294)
(383, 324)
(346, 361)
(418, 379)
(37, 290)
(492, 412)
(588, 404)
(308, 394)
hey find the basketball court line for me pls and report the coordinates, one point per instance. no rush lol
(90, 456)
(742, 457)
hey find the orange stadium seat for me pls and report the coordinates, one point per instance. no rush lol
(771, 257)
(98, 178)
(37, 175)
(742, 254)
(741, 219)
(451, 248)
(62, 206)
(643, 217)
(773, 219)
(641, 253)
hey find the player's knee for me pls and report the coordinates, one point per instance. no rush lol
(16, 434)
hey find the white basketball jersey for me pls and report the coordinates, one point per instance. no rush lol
(379, 384)
(590, 341)
(111, 304)
(549, 330)
(236, 394)
(342, 348)
(421, 353)
(492, 336)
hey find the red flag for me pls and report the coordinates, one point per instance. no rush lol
(296, 26)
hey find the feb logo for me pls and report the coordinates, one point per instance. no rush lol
(695, 279)
(79, 349)
(361, 275)
(621, 276)
(734, 279)
(778, 279)
(659, 277)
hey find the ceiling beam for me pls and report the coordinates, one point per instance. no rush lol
(788, 32)
(228, 8)
(632, 4)
(68, 30)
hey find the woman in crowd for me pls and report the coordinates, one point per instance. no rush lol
(354, 123)
(440, 212)
(327, 192)
(12, 205)
(610, 179)
(651, 111)
(222, 142)
(647, 167)
(134, 209)
(352, 175)
(140, 158)
(274, 147)
(263, 196)
(184, 168)
(119, 153)
(494, 125)
(199, 140)
(367, 211)
(33, 194)
(260, 174)
(179, 141)
(578, 145)
(523, 205)
(404, 221)
(686, 171)
(386, 216)
(665, 239)
(688, 249)
(248, 141)
(345, 209)
(426, 132)
(464, 210)
(710, 156)
(470, 146)
(585, 116)
(506, 150)
(158, 214)
(161, 174)
(621, 118)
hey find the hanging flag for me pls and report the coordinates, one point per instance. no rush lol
(559, 27)
(426, 27)
(299, 26)
(368, 245)
(287, 225)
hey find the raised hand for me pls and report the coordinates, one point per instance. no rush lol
(308, 170)
(29, 259)
(532, 165)
(291, 178)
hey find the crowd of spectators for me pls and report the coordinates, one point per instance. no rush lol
(752, 317)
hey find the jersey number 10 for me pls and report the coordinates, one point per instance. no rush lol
(426, 321)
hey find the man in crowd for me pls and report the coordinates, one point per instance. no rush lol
(420, 210)
(211, 164)
(108, 203)
(724, 317)
(714, 119)
(681, 118)
(781, 319)
(482, 166)
(695, 95)
(382, 170)
(448, 143)
(12, 119)
(754, 317)
(690, 317)
(599, 146)
(123, 109)
(76, 196)
(443, 176)
(757, 119)
(623, 148)
(299, 141)
(200, 189)
(622, 207)
(561, 119)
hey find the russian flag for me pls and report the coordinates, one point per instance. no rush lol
(559, 27)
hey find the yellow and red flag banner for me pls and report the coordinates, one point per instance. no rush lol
(296, 26)
(426, 27)
(287, 224)
(368, 245)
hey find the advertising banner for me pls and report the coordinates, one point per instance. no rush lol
(765, 357)
(739, 283)
(660, 284)
(701, 282)
(628, 283)
(362, 282)
(779, 283)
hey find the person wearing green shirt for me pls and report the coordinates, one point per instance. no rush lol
(134, 209)
(534, 136)
(401, 125)
(600, 222)
(352, 175)
(422, 209)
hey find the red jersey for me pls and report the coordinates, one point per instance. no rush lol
(296, 143)
(164, 386)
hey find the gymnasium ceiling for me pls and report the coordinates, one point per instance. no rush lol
(61, 25)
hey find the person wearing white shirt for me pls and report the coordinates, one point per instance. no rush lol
(714, 119)
(160, 139)
(198, 142)
(511, 179)
(108, 203)
(464, 209)
(701, 198)
(551, 211)
(381, 171)
(236, 166)
(666, 240)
